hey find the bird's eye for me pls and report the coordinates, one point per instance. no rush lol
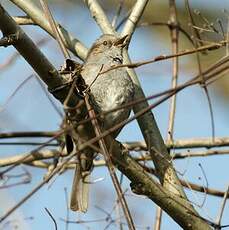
(105, 43)
(117, 59)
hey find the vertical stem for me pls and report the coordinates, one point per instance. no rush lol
(99, 16)
(174, 40)
(157, 225)
(118, 207)
(118, 12)
(196, 43)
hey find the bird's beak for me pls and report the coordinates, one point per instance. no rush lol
(122, 42)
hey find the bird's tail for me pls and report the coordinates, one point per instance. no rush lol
(80, 191)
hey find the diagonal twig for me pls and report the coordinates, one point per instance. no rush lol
(110, 165)
(53, 25)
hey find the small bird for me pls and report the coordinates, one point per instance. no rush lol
(107, 91)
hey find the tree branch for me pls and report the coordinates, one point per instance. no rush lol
(134, 17)
(141, 183)
(34, 57)
(149, 126)
(183, 143)
(98, 14)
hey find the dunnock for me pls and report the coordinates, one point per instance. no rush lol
(107, 91)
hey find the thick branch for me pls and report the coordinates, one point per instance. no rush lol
(178, 208)
(24, 20)
(153, 138)
(98, 14)
(26, 47)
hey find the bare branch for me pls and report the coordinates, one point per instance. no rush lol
(23, 20)
(183, 143)
(118, 12)
(99, 163)
(174, 34)
(134, 146)
(9, 61)
(34, 56)
(32, 156)
(53, 25)
(169, 56)
(100, 17)
(134, 17)
(53, 219)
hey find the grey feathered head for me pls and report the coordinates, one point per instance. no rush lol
(106, 43)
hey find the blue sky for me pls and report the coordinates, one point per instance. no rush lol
(30, 110)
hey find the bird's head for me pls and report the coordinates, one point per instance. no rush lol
(108, 44)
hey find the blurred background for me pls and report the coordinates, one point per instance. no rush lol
(30, 110)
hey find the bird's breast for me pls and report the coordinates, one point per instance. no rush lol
(110, 91)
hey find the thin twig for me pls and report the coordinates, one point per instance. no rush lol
(110, 165)
(67, 207)
(29, 143)
(158, 217)
(53, 25)
(28, 155)
(174, 34)
(169, 56)
(9, 61)
(168, 24)
(118, 12)
(130, 146)
(59, 112)
(53, 219)
(27, 134)
(219, 218)
(187, 184)
(4, 106)
(203, 84)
